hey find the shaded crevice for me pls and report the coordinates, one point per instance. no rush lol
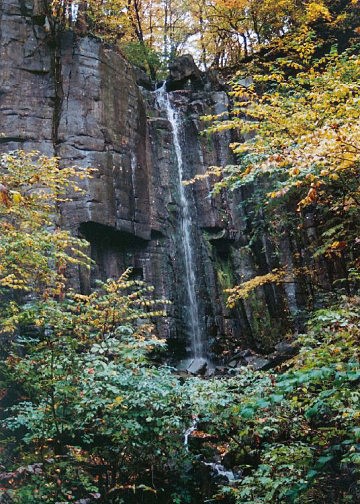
(113, 251)
(34, 72)
(157, 235)
(5, 140)
(24, 8)
(93, 231)
(73, 37)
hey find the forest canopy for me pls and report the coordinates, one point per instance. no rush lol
(219, 33)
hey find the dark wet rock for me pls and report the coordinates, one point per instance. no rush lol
(197, 366)
(257, 362)
(214, 81)
(285, 349)
(143, 80)
(244, 353)
(221, 370)
(240, 357)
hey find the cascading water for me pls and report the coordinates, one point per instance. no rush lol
(198, 347)
(188, 433)
(217, 470)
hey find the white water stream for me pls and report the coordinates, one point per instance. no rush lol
(197, 344)
(218, 470)
(188, 433)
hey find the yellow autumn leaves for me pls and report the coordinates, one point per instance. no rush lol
(33, 250)
(243, 290)
(303, 133)
(310, 127)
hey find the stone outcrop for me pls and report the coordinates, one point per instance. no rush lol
(184, 73)
(78, 99)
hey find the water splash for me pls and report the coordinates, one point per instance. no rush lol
(219, 471)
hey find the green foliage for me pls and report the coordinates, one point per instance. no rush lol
(142, 56)
(88, 392)
(300, 122)
(90, 416)
(295, 432)
(86, 411)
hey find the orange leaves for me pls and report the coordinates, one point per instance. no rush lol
(278, 194)
(338, 245)
(4, 196)
(294, 172)
(306, 131)
(312, 194)
(311, 197)
(336, 248)
(247, 171)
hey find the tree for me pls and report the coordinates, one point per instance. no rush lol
(93, 415)
(85, 406)
(234, 29)
(300, 117)
(222, 32)
(34, 251)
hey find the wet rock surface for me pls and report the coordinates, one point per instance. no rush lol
(284, 350)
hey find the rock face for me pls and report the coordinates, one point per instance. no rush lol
(75, 98)
(184, 72)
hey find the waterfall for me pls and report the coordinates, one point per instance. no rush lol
(198, 351)
(188, 433)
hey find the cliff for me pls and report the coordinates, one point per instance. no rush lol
(73, 97)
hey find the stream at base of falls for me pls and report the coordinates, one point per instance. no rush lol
(218, 471)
